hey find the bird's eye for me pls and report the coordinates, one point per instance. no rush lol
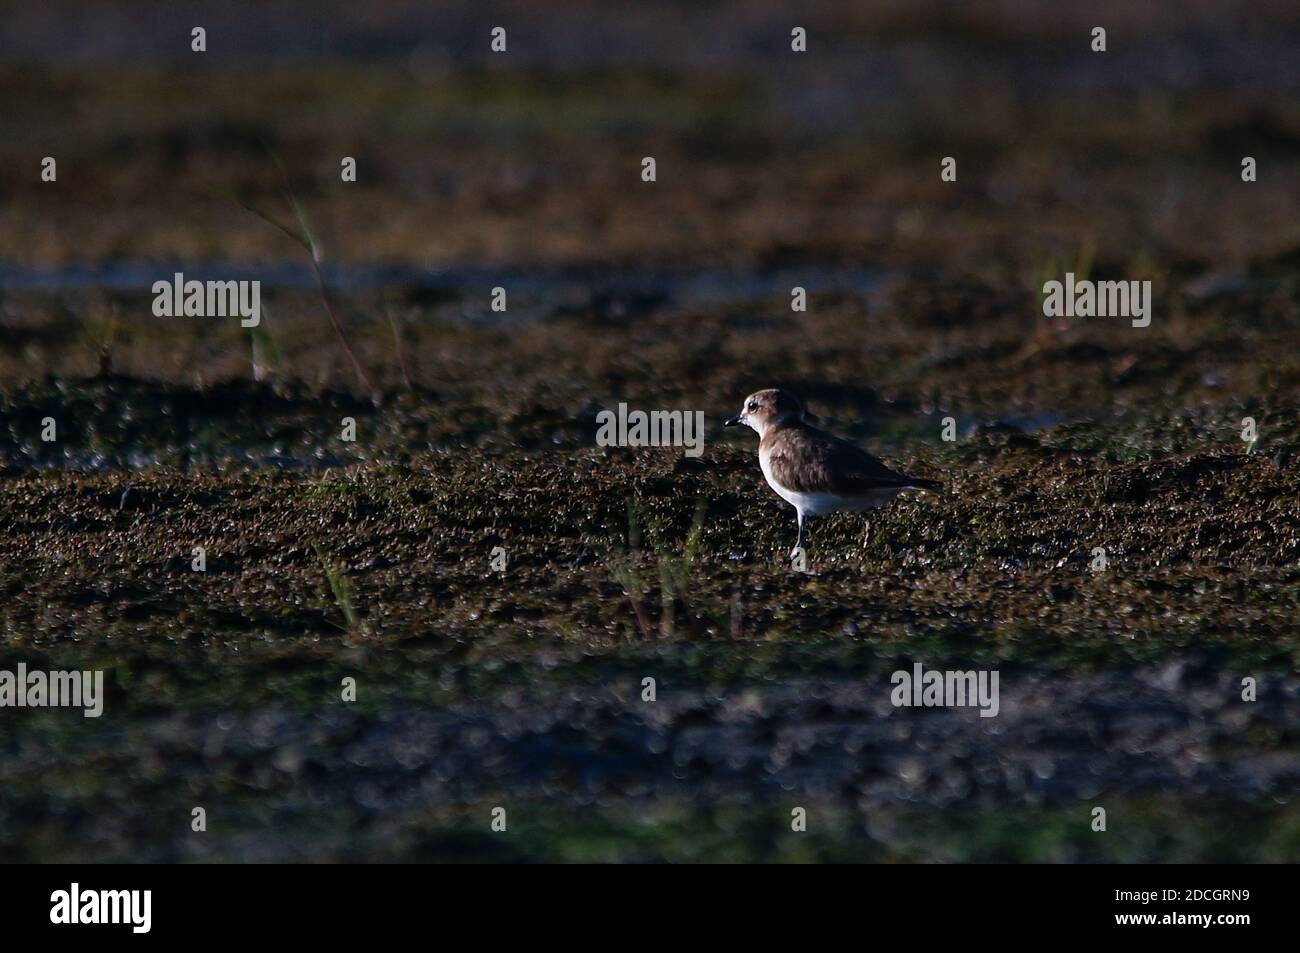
(752, 406)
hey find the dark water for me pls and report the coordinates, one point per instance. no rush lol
(1065, 744)
(539, 291)
(1226, 45)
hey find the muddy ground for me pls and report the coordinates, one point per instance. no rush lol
(478, 687)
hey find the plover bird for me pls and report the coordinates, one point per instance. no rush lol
(813, 471)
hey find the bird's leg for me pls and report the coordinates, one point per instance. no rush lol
(798, 543)
(866, 534)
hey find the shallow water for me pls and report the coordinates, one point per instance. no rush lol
(545, 286)
(1060, 744)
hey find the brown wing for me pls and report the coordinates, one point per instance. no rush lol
(812, 461)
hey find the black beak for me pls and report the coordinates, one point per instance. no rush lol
(731, 421)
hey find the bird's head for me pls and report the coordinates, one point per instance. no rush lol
(767, 408)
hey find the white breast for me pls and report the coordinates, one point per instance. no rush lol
(816, 504)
